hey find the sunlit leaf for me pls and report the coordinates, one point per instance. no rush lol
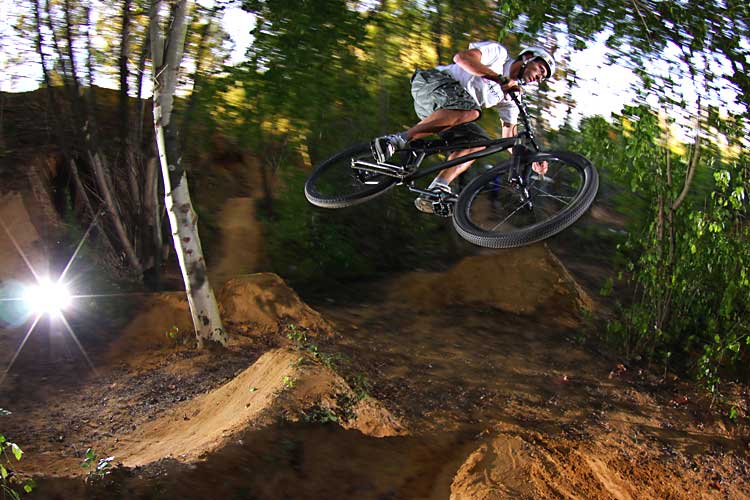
(17, 452)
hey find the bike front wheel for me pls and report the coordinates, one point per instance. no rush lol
(496, 211)
(338, 183)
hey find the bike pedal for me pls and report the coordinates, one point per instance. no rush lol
(442, 209)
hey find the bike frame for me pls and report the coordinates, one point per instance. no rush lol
(521, 145)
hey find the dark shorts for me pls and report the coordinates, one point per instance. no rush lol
(432, 90)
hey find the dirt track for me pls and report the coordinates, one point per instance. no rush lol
(479, 390)
(483, 404)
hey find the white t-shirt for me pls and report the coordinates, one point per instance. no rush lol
(485, 92)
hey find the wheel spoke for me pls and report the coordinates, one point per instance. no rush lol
(545, 194)
(514, 212)
(497, 214)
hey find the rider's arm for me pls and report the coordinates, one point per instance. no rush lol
(471, 62)
(509, 130)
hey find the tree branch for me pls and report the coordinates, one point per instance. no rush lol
(691, 171)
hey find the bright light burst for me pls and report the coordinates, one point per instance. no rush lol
(47, 297)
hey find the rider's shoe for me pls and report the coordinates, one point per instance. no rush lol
(426, 204)
(384, 147)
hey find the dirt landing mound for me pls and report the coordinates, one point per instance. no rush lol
(252, 305)
(160, 313)
(508, 467)
(521, 281)
(280, 383)
(501, 468)
(260, 303)
(534, 467)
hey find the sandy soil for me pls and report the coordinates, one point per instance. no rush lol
(479, 403)
(474, 383)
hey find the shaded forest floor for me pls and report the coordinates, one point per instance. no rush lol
(465, 402)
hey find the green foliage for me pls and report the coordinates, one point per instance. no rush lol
(303, 343)
(289, 382)
(179, 337)
(324, 75)
(306, 93)
(361, 386)
(98, 467)
(345, 400)
(306, 246)
(316, 248)
(717, 277)
(686, 262)
(9, 481)
(321, 414)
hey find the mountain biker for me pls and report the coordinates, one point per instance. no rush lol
(448, 99)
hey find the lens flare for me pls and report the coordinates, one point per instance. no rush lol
(47, 297)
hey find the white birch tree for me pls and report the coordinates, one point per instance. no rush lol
(166, 54)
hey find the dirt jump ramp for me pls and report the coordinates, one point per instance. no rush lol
(528, 280)
(281, 382)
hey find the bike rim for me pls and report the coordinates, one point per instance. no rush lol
(339, 180)
(504, 206)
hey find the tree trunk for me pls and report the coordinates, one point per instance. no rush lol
(182, 218)
(114, 212)
(123, 96)
(127, 158)
(81, 189)
(152, 226)
(141, 102)
(91, 100)
(267, 194)
(71, 52)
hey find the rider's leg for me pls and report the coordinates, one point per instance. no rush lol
(439, 101)
(441, 183)
(440, 120)
(449, 174)
(464, 133)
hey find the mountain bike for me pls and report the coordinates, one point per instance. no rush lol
(507, 205)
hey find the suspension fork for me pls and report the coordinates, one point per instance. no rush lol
(518, 171)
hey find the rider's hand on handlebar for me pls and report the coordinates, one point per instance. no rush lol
(507, 84)
(511, 86)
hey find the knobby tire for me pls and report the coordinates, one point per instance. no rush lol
(473, 204)
(335, 184)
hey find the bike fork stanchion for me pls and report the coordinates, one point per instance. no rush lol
(518, 151)
(518, 172)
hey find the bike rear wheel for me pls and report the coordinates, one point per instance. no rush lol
(336, 183)
(494, 212)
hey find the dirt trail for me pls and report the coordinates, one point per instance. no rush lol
(480, 403)
(550, 418)
(237, 187)
(242, 242)
(467, 384)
